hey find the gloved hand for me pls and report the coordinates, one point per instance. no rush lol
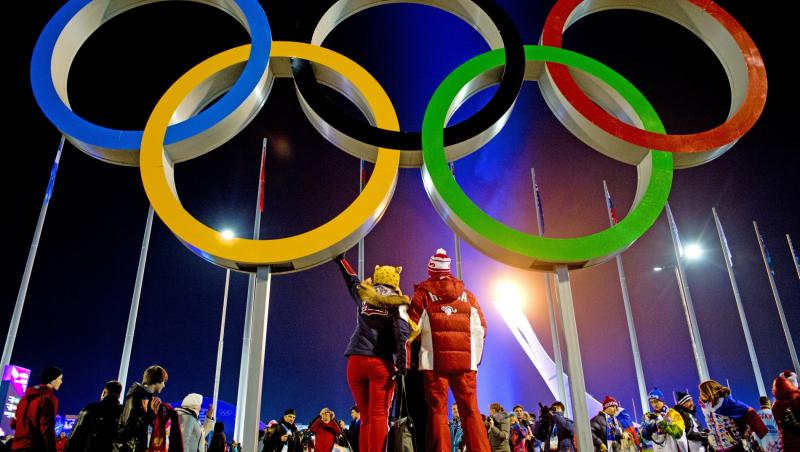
(544, 413)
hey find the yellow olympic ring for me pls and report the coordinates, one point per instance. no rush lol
(285, 254)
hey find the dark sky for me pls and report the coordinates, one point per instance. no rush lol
(79, 295)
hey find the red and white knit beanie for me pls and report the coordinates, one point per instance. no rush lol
(439, 264)
(610, 401)
(790, 376)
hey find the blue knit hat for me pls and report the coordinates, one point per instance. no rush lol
(656, 394)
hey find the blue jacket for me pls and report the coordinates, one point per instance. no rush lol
(560, 426)
(382, 331)
(456, 435)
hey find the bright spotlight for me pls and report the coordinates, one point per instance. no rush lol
(509, 294)
(693, 251)
(658, 269)
(227, 234)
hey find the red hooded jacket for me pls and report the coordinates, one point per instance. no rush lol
(35, 420)
(452, 327)
(787, 397)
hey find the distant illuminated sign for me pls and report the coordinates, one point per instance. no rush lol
(12, 388)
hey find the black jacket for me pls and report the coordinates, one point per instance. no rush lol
(599, 425)
(382, 329)
(693, 428)
(272, 438)
(134, 420)
(96, 427)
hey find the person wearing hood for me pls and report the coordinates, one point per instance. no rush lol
(786, 409)
(326, 431)
(499, 428)
(452, 334)
(194, 434)
(96, 426)
(729, 420)
(139, 411)
(35, 419)
(696, 437)
(606, 429)
(663, 427)
(771, 442)
(378, 350)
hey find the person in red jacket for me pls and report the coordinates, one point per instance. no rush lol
(61, 442)
(786, 409)
(36, 415)
(325, 431)
(452, 331)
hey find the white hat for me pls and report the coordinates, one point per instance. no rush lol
(192, 400)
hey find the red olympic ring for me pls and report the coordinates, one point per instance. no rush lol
(721, 137)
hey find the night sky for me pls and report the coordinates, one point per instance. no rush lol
(77, 304)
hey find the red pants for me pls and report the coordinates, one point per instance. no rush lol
(370, 381)
(464, 386)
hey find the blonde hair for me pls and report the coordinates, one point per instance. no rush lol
(497, 407)
(711, 391)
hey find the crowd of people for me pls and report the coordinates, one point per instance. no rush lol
(447, 320)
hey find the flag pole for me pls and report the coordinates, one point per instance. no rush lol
(686, 297)
(11, 337)
(241, 397)
(455, 235)
(795, 259)
(726, 252)
(626, 301)
(770, 274)
(551, 310)
(218, 369)
(137, 293)
(255, 362)
(361, 181)
(577, 384)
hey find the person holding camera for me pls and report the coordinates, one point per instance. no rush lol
(283, 434)
(663, 427)
(379, 348)
(554, 430)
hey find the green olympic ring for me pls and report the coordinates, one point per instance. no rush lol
(514, 247)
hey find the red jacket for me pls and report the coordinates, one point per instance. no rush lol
(787, 397)
(326, 433)
(35, 420)
(452, 327)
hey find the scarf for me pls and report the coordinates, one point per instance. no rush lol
(166, 420)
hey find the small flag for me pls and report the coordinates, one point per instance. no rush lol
(611, 210)
(724, 239)
(262, 176)
(53, 172)
(539, 206)
(766, 253)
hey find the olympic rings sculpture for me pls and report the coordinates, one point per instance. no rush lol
(589, 102)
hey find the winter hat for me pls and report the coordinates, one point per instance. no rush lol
(290, 411)
(791, 377)
(682, 397)
(439, 264)
(192, 400)
(51, 373)
(610, 401)
(388, 276)
(655, 394)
